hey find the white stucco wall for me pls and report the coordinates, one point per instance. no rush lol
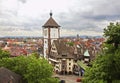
(45, 46)
(70, 65)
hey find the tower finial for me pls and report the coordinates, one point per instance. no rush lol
(50, 13)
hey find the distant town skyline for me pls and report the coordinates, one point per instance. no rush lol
(83, 17)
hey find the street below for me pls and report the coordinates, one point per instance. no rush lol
(69, 78)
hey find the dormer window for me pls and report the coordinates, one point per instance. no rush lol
(69, 59)
(53, 48)
(64, 55)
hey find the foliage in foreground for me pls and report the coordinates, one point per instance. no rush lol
(106, 67)
(4, 54)
(112, 33)
(31, 69)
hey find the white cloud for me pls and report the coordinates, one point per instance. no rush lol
(65, 32)
(26, 17)
(19, 31)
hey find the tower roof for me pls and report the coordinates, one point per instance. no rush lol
(51, 22)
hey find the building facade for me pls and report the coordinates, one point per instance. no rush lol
(62, 57)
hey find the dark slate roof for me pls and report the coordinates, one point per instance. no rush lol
(51, 23)
(7, 76)
(64, 50)
(62, 47)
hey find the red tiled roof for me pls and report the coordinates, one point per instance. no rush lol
(17, 51)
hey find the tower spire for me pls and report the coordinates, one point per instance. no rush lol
(50, 13)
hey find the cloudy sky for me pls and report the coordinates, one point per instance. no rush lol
(83, 17)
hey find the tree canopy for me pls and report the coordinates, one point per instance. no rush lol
(106, 67)
(32, 69)
(112, 32)
(4, 54)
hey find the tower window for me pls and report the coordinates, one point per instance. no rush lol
(54, 34)
(45, 32)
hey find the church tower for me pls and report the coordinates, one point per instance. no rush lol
(51, 32)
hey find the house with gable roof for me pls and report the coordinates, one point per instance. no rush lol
(62, 57)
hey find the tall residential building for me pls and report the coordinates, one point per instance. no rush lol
(51, 32)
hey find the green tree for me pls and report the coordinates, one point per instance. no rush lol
(31, 69)
(70, 43)
(105, 68)
(35, 54)
(112, 32)
(4, 54)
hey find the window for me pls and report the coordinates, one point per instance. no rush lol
(45, 41)
(69, 59)
(69, 63)
(69, 68)
(45, 32)
(54, 34)
(64, 55)
(53, 48)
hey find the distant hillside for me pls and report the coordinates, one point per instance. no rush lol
(84, 36)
